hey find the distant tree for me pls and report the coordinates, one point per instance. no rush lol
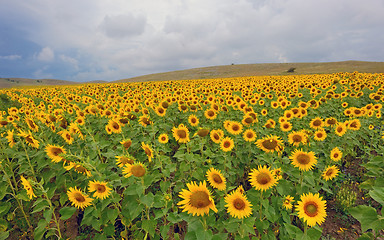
(291, 70)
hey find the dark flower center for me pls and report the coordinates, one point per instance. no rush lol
(303, 159)
(263, 178)
(239, 204)
(200, 199)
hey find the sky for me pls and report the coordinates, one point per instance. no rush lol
(85, 40)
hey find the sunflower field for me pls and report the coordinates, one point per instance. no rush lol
(266, 157)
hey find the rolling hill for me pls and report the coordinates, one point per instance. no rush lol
(242, 70)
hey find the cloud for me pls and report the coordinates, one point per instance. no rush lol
(121, 39)
(46, 55)
(121, 26)
(11, 57)
(72, 61)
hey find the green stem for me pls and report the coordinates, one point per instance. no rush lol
(29, 162)
(14, 196)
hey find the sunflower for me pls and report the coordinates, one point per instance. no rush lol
(136, 169)
(29, 139)
(216, 135)
(31, 124)
(197, 199)
(216, 179)
(340, 129)
(330, 121)
(114, 126)
(121, 161)
(330, 172)
(286, 126)
(227, 144)
(148, 151)
(160, 111)
(270, 123)
(278, 173)
(303, 160)
(144, 120)
(66, 136)
(295, 138)
(54, 152)
(101, 189)
(311, 208)
(287, 202)
(193, 120)
(262, 178)
(320, 135)
(126, 143)
(336, 154)
(247, 120)
(181, 133)
(10, 138)
(78, 168)
(235, 128)
(27, 186)
(249, 135)
(237, 205)
(270, 144)
(163, 138)
(316, 123)
(78, 199)
(210, 114)
(202, 132)
(354, 124)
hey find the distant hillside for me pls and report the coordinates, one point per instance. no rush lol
(22, 82)
(242, 70)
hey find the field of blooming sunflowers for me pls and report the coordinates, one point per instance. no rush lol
(267, 157)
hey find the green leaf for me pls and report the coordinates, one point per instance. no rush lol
(5, 206)
(4, 235)
(149, 226)
(190, 236)
(174, 217)
(67, 212)
(48, 215)
(40, 205)
(164, 186)
(377, 194)
(147, 199)
(112, 214)
(367, 217)
(40, 229)
(366, 236)
(3, 190)
(293, 231)
(314, 232)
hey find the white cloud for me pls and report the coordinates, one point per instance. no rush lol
(72, 61)
(11, 57)
(126, 25)
(40, 73)
(46, 55)
(120, 39)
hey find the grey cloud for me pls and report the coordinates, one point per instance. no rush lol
(120, 26)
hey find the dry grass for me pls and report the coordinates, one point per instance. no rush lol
(242, 70)
(237, 70)
(27, 82)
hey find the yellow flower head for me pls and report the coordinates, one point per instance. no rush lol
(27, 186)
(311, 208)
(197, 199)
(216, 179)
(262, 178)
(303, 160)
(100, 189)
(237, 205)
(78, 198)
